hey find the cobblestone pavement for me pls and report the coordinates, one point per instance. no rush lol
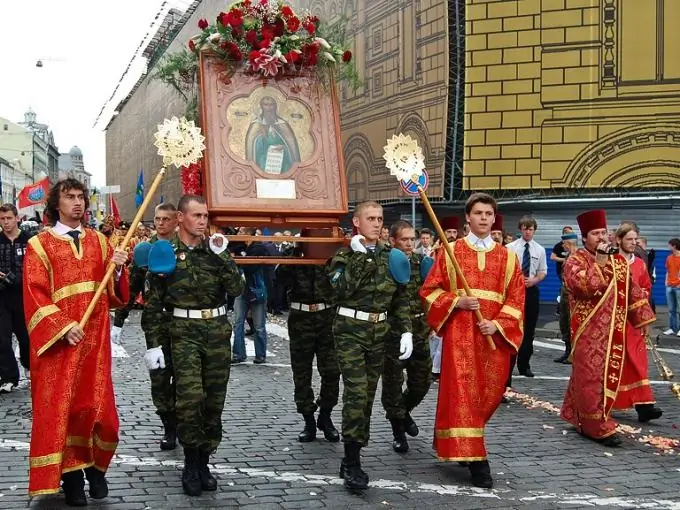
(538, 462)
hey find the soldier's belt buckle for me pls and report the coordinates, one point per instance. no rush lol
(313, 308)
(373, 317)
(206, 314)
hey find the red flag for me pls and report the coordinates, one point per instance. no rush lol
(34, 194)
(114, 212)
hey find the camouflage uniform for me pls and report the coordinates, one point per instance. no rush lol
(310, 334)
(200, 349)
(418, 366)
(362, 282)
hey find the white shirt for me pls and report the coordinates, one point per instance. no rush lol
(475, 241)
(63, 230)
(539, 261)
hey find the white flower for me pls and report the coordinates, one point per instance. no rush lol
(215, 37)
(328, 56)
(294, 37)
(323, 42)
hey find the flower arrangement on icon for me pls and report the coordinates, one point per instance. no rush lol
(272, 39)
(191, 179)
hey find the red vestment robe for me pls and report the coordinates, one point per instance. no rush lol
(473, 375)
(604, 302)
(634, 387)
(75, 422)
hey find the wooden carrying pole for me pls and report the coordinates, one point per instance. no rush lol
(452, 257)
(123, 245)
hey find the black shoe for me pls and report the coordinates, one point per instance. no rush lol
(96, 479)
(481, 474)
(526, 373)
(259, 360)
(647, 412)
(208, 481)
(612, 441)
(350, 468)
(191, 478)
(561, 359)
(400, 443)
(308, 434)
(504, 400)
(237, 360)
(73, 484)
(169, 439)
(325, 425)
(410, 426)
(250, 332)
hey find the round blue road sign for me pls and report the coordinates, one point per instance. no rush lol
(411, 188)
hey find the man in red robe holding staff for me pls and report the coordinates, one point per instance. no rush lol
(75, 422)
(473, 375)
(604, 299)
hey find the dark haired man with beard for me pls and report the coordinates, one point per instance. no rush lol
(75, 422)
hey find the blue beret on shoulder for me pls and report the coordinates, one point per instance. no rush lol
(425, 266)
(399, 266)
(162, 258)
(140, 255)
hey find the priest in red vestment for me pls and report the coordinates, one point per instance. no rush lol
(604, 302)
(634, 388)
(75, 422)
(473, 374)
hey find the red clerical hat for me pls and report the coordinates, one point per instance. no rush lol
(592, 220)
(450, 223)
(497, 223)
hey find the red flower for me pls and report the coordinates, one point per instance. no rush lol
(251, 37)
(253, 55)
(312, 59)
(347, 56)
(202, 23)
(293, 24)
(268, 31)
(314, 19)
(310, 49)
(192, 45)
(280, 27)
(292, 57)
(309, 27)
(287, 11)
(223, 19)
(264, 44)
(237, 32)
(236, 17)
(246, 3)
(264, 2)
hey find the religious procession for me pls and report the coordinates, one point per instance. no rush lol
(298, 251)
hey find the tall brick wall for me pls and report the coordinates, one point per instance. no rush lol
(546, 108)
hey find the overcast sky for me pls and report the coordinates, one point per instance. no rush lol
(85, 46)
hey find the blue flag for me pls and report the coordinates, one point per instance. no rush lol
(139, 194)
(161, 200)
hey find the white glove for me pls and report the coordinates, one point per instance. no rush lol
(356, 245)
(218, 249)
(115, 334)
(406, 346)
(154, 358)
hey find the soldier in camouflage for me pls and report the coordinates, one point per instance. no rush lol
(366, 294)
(310, 332)
(194, 297)
(162, 381)
(397, 404)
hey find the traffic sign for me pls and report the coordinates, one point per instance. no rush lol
(411, 188)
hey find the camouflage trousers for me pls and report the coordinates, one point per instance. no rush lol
(398, 402)
(163, 381)
(360, 347)
(201, 355)
(311, 334)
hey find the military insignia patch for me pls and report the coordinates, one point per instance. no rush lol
(182, 256)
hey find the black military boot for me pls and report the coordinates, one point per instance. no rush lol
(350, 468)
(481, 474)
(208, 481)
(308, 434)
(399, 444)
(647, 412)
(73, 484)
(325, 425)
(96, 479)
(410, 426)
(169, 440)
(191, 478)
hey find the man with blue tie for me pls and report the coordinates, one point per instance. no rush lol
(533, 261)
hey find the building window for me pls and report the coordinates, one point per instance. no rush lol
(649, 41)
(377, 83)
(377, 40)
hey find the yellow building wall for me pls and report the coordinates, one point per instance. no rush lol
(572, 94)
